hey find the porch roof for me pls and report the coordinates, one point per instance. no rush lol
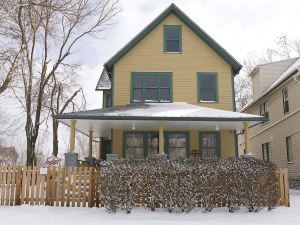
(178, 115)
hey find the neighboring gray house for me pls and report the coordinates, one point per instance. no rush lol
(276, 95)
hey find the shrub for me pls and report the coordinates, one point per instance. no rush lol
(182, 185)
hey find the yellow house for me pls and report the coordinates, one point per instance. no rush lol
(169, 91)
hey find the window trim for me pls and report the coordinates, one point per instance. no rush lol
(170, 74)
(165, 40)
(166, 141)
(201, 74)
(218, 136)
(284, 100)
(289, 149)
(267, 144)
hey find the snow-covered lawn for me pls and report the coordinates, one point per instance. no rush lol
(40, 215)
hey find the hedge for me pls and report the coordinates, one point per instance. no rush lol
(182, 185)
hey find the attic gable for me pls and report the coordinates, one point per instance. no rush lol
(188, 22)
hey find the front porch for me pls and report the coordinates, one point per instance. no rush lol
(173, 130)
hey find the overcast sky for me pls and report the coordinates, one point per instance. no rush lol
(240, 26)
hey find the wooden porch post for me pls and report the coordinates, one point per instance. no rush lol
(161, 138)
(90, 143)
(72, 135)
(246, 137)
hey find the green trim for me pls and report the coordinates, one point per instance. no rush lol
(207, 74)
(111, 140)
(218, 136)
(133, 74)
(233, 91)
(165, 41)
(236, 66)
(112, 86)
(166, 140)
(236, 149)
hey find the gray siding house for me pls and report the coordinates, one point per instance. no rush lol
(276, 96)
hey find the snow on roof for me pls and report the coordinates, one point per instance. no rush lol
(294, 67)
(176, 110)
(104, 81)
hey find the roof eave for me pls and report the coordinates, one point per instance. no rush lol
(64, 117)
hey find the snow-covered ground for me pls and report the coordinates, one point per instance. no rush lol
(40, 215)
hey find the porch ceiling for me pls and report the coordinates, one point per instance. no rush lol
(148, 116)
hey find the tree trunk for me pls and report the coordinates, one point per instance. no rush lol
(55, 137)
(31, 160)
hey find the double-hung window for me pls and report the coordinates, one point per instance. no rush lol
(285, 100)
(172, 38)
(151, 87)
(289, 153)
(207, 87)
(264, 110)
(265, 151)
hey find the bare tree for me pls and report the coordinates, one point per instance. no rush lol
(48, 32)
(284, 48)
(63, 96)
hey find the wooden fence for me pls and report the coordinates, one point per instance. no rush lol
(69, 186)
(65, 186)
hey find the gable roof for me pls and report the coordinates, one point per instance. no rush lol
(293, 69)
(236, 66)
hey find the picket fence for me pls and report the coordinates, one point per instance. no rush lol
(69, 186)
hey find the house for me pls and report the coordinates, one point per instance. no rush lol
(168, 92)
(276, 91)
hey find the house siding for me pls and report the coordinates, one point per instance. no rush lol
(278, 128)
(196, 56)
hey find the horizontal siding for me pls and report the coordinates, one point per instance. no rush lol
(196, 56)
(278, 128)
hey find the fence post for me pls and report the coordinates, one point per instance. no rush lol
(18, 186)
(91, 187)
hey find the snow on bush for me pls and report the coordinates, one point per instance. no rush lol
(182, 185)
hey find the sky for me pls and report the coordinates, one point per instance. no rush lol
(240, 26)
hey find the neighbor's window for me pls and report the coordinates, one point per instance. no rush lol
(207, 87)
(172, 38)
(265, 152)
(177, 145)
(285, 99)
(151, 87)
(289, 153)
(264, 110)
(209, 145)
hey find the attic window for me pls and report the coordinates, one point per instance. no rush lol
(172, 38)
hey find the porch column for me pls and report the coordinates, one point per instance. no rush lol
(90, 143)
(161, 138)
(72, 136)
(246, 137)
(71, 158)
